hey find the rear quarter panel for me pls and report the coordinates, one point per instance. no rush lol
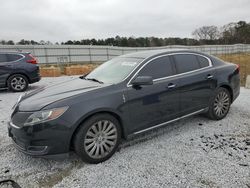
(30, 70)
(228, 74)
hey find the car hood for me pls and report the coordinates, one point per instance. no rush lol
(42, 97)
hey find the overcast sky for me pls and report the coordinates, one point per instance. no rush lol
(61, 20)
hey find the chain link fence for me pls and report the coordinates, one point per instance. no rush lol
(49, 54)
(67, 55)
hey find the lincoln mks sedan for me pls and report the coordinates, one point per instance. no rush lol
(125, 96)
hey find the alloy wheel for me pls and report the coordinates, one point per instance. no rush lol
(18, 83)
(100, 139)
(221, 103)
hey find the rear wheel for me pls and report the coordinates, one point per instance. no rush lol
(17, 83)
(220, 104)
(98, 138)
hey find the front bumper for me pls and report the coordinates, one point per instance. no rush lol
(39, 141)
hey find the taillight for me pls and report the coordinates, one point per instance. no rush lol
(31, 59)
(238, 66)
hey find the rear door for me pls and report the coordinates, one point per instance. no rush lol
(154, 104)
(196, 81)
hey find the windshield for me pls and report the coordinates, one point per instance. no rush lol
(114, 70)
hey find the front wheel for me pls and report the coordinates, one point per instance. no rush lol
(98, 138)
(220, 104)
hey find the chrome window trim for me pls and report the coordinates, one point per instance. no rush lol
(177, 53)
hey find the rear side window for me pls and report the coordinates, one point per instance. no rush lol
(13, 57)
(186, 62)
(158, 68)
(203, 61)
(3, 58)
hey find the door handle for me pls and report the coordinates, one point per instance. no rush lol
(209, 76)
(171, 85)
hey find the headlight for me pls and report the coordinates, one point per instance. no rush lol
(45, 115)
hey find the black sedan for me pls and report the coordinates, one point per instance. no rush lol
(125, 96)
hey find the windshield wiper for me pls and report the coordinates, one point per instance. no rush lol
(93, 79)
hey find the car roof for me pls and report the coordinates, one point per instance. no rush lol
(152, 53)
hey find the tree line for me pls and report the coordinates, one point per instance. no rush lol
(232, 33)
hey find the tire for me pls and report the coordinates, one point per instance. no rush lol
(97, 138)
(17, 83)
(220, 104)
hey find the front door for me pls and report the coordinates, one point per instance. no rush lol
(151, 105)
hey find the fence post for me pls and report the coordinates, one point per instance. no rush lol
(107, 50)
(70, 60)
(90, 58)
(34, 50)
(46, 55)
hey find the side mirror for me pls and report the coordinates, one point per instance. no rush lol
(142, 80)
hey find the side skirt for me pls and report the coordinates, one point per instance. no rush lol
(171, 121)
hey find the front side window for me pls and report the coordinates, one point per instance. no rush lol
(114, 70)
(158, 68)
(186, 63)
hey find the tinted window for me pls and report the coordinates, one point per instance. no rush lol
(203, 61)
(3, 58)
(158, 68)
(186, 62)
(13, 57)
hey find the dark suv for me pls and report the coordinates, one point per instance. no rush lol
(18, 70)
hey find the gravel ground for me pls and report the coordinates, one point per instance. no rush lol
(195, 152)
